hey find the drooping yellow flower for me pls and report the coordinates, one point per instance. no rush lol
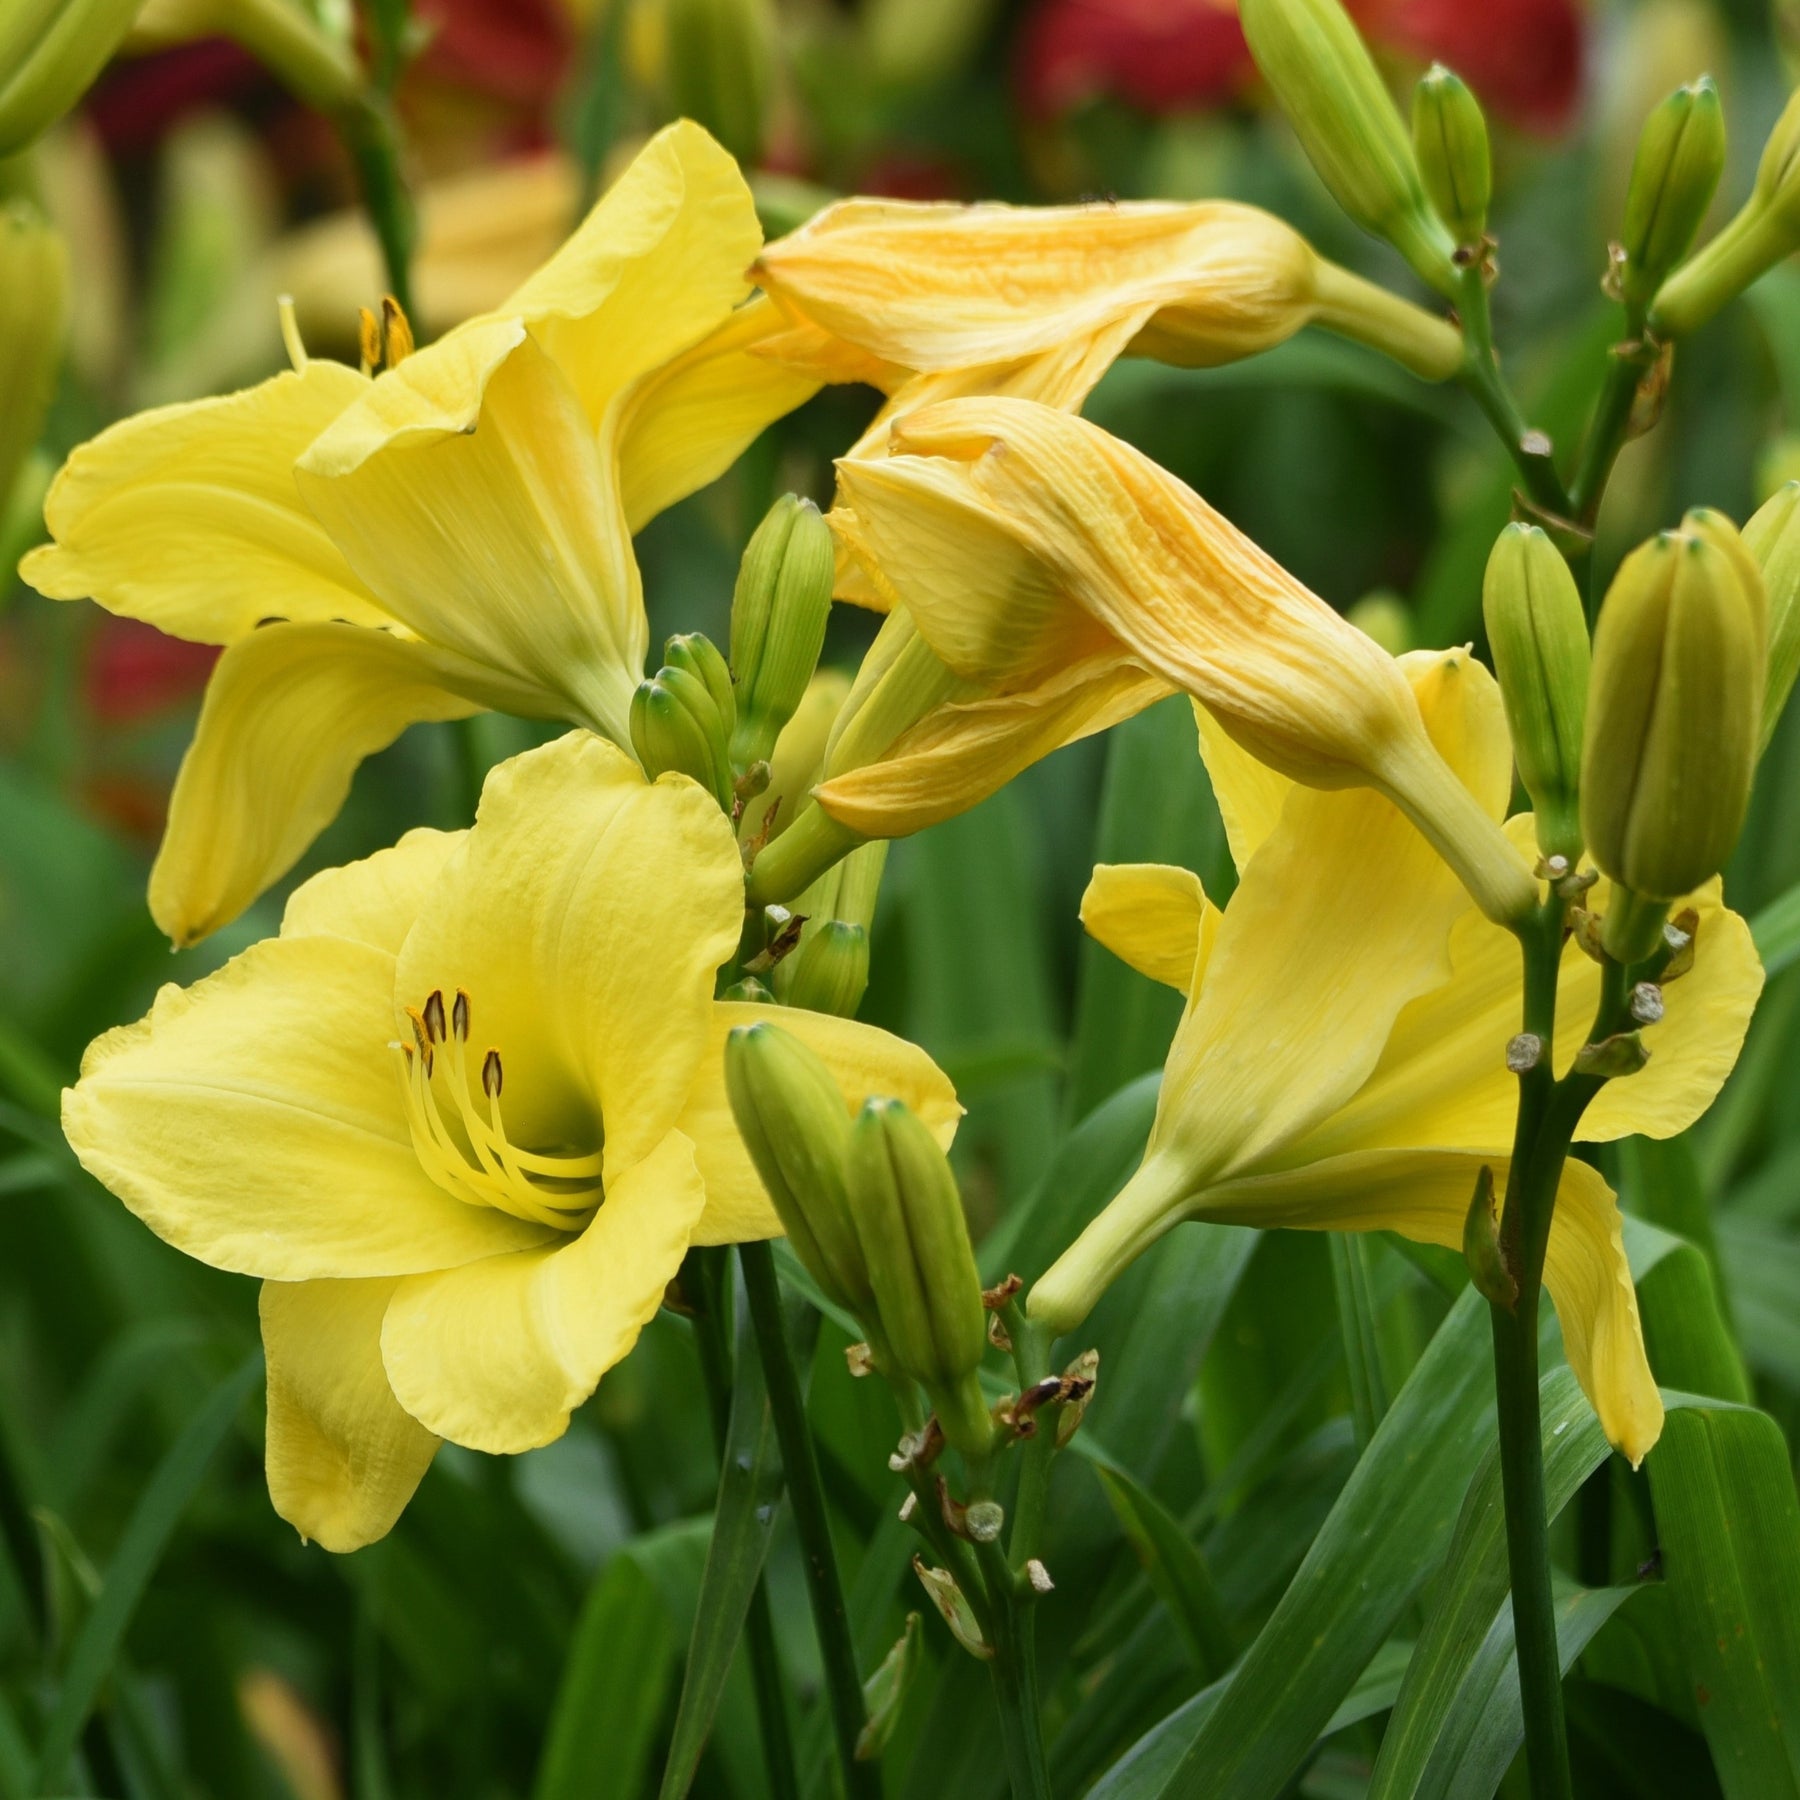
(1020, 537)
(1340, 1063)
(464, 1117)
(452, 535)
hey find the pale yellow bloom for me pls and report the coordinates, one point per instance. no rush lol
(1340, 1064)
(1021, 539)
(464, 1117)
(451, 535)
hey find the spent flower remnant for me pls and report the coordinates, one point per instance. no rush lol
(451, 534)
(1369, 1093)
(464, 1116)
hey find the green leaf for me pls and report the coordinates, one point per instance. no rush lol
(1776, 933)
(1177, 1570)
(1729, 1526)
(1764, 1268)
(140, 1549)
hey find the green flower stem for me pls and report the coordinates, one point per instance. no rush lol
(1031, 1360)
(372, 136)
(843, 1687)
(1630, 361)
(1014, 1669)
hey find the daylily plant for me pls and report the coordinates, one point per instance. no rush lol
(1338, 1065)
(451, 534)
(464, 1117)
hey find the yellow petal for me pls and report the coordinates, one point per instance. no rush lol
(657, 264)
(939, 286)
(799, 755)
(1424, 1195)
(585, 915)
(1250, 794)
(255, 1121)
(376, 900)
(866, 1062)
(289, 713)
(689, 422)
(1152, 916)
(189, 517)
(467, 489)
(497, 1354)
(343, 1456)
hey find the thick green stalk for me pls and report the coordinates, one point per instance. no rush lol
(843, 1687)
(1014, 1669)
(372, 137)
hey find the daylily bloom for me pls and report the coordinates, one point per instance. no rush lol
(1339, 1065)
(1021, 540)
(453, 534)
(464, 1117)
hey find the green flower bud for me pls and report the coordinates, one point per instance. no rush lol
(829, 970)
(676, 725)
(778, 615)
(1386, 618)
(695, 654)
(1680, 157)
(1333, 95)
(721, 66)
(1450, 140)
(1538, 634)
(34, 308)
(915, 1242)
(50, 52)
(791, 1115)
(1773, 537)
(1674, 719)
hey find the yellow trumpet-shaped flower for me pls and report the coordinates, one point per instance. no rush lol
(453, 534)
(464, 1117)
(1019, 537)
(1340, 1064)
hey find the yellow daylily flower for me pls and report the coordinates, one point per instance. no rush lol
(1340, 1062)
(464, 1117)
(1016, 535)
(453, 534)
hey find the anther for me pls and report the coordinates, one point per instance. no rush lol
(396, 332)
(368, 332)
(434, 1016)
(459, 1015)
(492, 1075)
(421, 1036)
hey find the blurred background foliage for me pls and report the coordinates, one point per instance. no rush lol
(521, 1632)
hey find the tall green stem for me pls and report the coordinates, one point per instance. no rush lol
(843, 1688)
(372, 137)
(1015, 1688)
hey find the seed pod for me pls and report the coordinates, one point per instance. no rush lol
(1674, 720)
(1450, 140)
(1680, 157)
(1773, 537)
(778, 615)
(675, 725)
(1321, 72)
(1537, 632)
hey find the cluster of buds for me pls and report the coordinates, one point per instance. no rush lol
(682, 717)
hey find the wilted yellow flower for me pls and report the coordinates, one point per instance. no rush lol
(1022, 540)
(452, 535)
(1339, 1065)
(464, 1117)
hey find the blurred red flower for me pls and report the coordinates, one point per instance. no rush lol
(1523, 57)
(133, 670)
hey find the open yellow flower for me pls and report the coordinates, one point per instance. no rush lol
(452, 535)
(464, 1116)
(1340, 1063)
(1017, 536)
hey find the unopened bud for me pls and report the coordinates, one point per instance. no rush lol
(1538, 634)
(676, 725)
(1680, 157)
(829, 970)
(791, 1115)
(34, 305)
(1773, 537)
(1322, 74)
(915, 1243)
(721, 57)
(50, 52)
(695, 654)
(1450, 140)
(778, 614)
(1673, 722)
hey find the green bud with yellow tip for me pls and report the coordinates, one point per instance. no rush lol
(721, 68)
(1772, 536)
(1450, 140)
(792, 1117)
(1680, 157)
(675, 725)
(778, 615)
(915, 1241)
(1538, 635)
(50, 53)
(695, 654)
(1673, 724)
(34, 316)
(1321, 72)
